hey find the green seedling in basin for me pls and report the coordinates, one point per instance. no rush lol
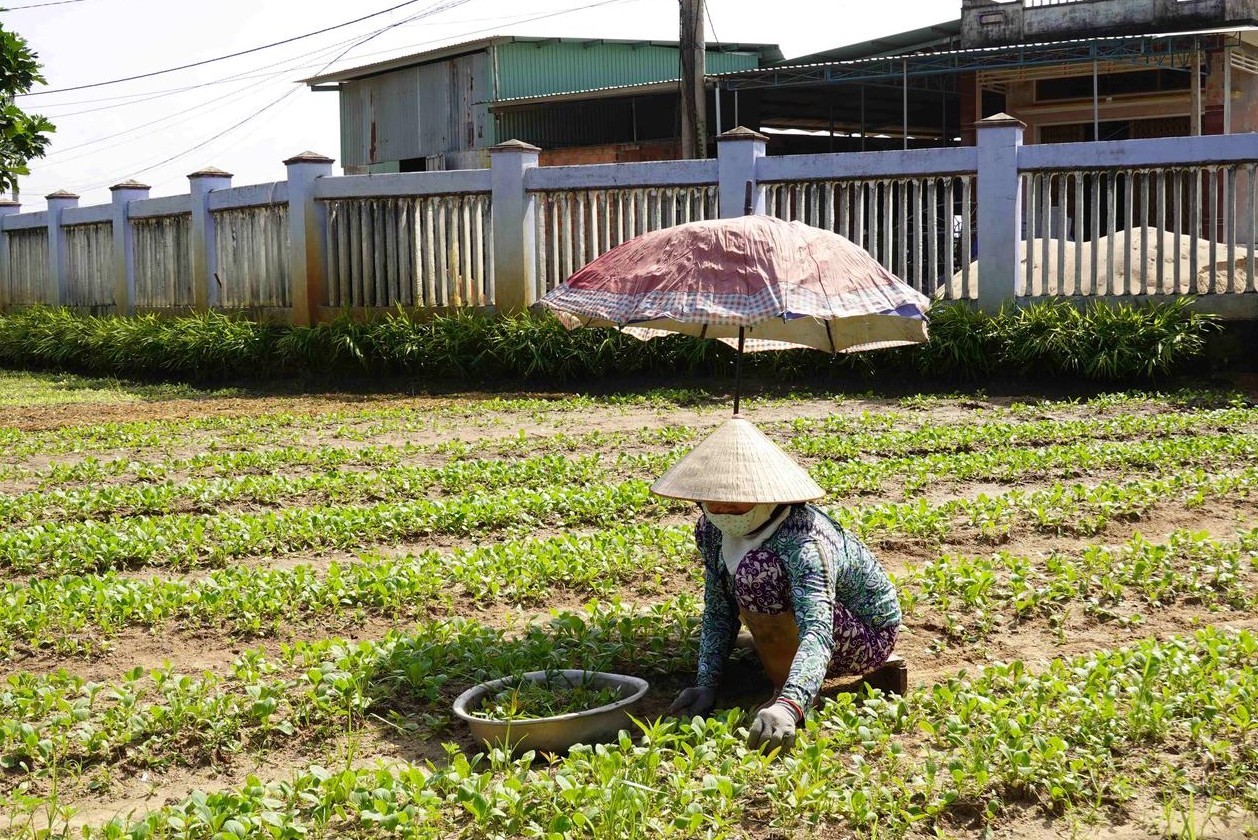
(527, 699)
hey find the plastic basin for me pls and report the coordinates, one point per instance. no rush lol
(553, 734)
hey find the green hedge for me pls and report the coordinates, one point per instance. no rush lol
(1100, 343)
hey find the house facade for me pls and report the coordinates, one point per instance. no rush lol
(1158, 67)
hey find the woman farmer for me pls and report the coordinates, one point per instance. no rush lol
(813, 596)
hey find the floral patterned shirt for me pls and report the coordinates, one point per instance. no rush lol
(808, 565)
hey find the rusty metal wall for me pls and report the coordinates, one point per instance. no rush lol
(89, 263)
(919, 228)
(163, 264)
(576, 226)
(28, 267)
(427, 252)
(417, 112)
(454, 105)
(252, 248)
(380, 118)
(1137, 231)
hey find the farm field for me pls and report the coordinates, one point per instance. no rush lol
(237, 615)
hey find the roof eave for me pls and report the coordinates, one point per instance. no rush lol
(768, 53)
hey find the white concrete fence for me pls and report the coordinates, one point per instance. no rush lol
(1139, 219)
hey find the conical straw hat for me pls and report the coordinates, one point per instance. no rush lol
(737, 463)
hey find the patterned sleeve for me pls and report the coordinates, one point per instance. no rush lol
(814, 615)
(720, 619)
(862, 585)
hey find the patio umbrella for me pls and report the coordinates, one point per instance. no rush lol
(754, 282)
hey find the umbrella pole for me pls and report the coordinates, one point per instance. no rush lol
(748, 208)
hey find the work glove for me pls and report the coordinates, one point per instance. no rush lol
(694, 701)
(773, 727)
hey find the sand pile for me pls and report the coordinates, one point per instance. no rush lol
(1129, 272)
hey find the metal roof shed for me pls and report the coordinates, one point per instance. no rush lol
(432, 110)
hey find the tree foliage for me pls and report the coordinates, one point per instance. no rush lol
(23, 136)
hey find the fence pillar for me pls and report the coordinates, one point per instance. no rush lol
(122, 194)
(737, 152)
(999, 209)
(307, 235)
(7, 208)
(515, 226)
(204, 247)
(58, 272)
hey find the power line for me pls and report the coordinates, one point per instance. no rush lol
(264, 79)
(435, 9)
(148, 96)
(707, 8)
(203, 62)
(265, 71)
(39, 5)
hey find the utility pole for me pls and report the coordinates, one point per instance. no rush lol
(694, 123)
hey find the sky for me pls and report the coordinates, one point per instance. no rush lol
(247, 114)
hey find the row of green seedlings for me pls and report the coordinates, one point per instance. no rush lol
(839, 478)
(846, 439)
(357, 423)
(365, 424)
(974, 595)
(834, 438)
(79, 614)
(187, 541)
(60, 723)
(1081, 738)
(333, 486)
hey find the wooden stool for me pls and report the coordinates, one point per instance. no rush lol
(891, 678)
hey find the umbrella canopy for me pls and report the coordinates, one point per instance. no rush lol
(784, 284)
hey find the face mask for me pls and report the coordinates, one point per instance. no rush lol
(740, 524)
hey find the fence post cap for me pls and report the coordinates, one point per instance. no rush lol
(210, 172)
(308, 157)
(998, 120)
(129, 184)
(61, 195)
(514, 146)
(9, 202)
(741, 133)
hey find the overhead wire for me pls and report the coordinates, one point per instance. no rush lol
(435, 9)
(218, 58)
(39, 5)
(267, 71)
(148, 96)
(707, 8)
(56, 154)
(353, 43)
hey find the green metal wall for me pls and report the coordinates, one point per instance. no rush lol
(546, 67)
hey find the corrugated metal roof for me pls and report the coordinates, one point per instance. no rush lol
(665, 86)
(563, 66)
(973, 52)
(899, 43)
(767, 53)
